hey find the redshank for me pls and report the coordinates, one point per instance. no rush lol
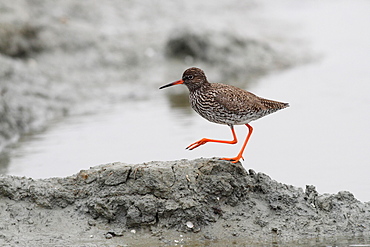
(224, 104)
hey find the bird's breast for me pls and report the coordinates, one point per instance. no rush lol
(205, 104)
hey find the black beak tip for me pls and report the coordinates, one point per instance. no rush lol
(164, 86)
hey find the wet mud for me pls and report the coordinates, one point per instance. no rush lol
(162, 202)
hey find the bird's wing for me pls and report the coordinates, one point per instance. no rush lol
(236, 99)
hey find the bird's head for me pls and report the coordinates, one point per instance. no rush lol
(193, 78)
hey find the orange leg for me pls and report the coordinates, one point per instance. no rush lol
(240, 155)
(205, 140)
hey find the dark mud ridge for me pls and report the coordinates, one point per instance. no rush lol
(202, 200)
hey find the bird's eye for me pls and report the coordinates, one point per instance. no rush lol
(190, 77)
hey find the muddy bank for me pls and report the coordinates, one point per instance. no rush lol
(202, 200)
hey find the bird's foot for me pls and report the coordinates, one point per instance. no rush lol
(234, 160)
(197, 144)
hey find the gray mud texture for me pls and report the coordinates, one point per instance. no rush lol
(170, 202)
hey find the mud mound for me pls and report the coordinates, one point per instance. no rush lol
(201, 199)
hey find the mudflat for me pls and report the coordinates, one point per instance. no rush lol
(162, 202)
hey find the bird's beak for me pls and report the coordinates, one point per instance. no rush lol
(173, 83)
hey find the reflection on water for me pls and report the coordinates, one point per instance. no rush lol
(180, 101)
(322, 139)
(351, 241)
(131, 133)
(4, 162)
(185, 241)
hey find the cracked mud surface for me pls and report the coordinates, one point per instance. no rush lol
(202, 199)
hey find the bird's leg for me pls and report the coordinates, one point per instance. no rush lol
(205, 140)
(240, 155)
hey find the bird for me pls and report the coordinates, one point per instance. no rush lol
(224, 104)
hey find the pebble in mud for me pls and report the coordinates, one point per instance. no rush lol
(189, 224)
(108, 236)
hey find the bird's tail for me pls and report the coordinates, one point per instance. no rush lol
(274, 105)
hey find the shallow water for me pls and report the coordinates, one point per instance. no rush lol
(185, 241)
(322, 139)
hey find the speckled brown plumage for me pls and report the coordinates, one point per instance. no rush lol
(224, 104)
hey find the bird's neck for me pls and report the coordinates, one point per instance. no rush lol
(199, 87)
